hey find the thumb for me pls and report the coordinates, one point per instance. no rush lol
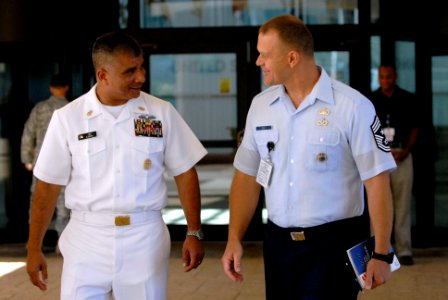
(367, 277)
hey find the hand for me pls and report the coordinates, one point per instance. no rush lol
(399, 155)
(36, 266)
(29, 166)
(378, 273)
(231, 261)
(192, 253)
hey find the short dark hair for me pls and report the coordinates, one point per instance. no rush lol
(59, 80)
(113, 42)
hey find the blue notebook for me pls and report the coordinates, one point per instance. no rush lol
(361, 253)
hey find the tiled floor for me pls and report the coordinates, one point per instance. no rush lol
(427, 279)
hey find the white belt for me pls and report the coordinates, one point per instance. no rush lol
(97, 218)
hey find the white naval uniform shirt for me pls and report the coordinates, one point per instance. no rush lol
(323, 151)
(115, 171)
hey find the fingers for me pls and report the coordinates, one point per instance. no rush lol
(37, 281)
(192, 255)
(37, 270)
(190, 264)
(232, 269)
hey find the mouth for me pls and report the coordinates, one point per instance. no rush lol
(136, 88)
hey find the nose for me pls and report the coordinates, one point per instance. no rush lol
(141, 75)
(258, 62)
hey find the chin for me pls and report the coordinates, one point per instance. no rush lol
(134, 93)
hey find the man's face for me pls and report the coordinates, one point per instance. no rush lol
(124, 76)
(387, 78)
(272, 58)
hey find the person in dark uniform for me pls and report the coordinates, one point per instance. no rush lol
(397, 111)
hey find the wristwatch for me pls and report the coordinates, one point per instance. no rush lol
(197, 233)
(389, 258)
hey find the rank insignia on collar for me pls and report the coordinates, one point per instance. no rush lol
(324, 111)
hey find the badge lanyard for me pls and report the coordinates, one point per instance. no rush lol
(266, 166)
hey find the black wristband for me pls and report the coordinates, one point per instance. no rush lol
(389, 258)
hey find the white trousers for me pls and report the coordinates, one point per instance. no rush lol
(115, 262)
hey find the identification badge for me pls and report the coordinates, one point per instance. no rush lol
(264, 172)
(389, 132)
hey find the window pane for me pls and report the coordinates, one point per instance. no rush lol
(440, 119)
(5, 152)
(202, 87)
(405, 63)
(215, 13)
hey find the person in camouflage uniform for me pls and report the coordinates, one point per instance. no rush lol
(33, 136)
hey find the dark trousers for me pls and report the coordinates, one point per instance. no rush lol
(315, 268)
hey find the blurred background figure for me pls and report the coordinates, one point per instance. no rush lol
(397, 111)
(32, 138)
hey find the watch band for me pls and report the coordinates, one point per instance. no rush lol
(389, 258)
(197, 233)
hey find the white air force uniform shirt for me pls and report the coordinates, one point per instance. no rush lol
(105, 166)
(324, 150)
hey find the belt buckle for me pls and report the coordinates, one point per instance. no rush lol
(122, 220)
(297, 235)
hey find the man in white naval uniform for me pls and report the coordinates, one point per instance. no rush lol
(110, 149)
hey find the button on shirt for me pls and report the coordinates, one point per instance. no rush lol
(323, 151)
(113, 169)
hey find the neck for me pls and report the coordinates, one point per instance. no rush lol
(301, 85)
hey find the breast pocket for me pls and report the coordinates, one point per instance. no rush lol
(147, 155)
(323, 150)
(263, 137)
(89, 159)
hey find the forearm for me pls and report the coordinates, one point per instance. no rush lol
(190, 198)
(381, 210)
(42, 207)
(244, 196)
(412, 140)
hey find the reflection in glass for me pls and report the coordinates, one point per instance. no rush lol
(5, 155)
(202, 87)
(440, 121)
(216, 13)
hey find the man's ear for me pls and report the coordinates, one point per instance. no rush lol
(293, 58)
(101, 74)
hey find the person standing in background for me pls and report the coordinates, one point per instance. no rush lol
(397, 110)
(312, 143)
(32, 138)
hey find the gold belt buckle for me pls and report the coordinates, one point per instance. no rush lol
(122, 220)
(297, 235)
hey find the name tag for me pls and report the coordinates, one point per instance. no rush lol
(86, 135)
(267, 127)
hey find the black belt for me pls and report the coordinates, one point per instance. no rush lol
(310, 233)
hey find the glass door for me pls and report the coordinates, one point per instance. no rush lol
(202, 87)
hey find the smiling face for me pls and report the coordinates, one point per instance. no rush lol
(273, 58)
(121, 77)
